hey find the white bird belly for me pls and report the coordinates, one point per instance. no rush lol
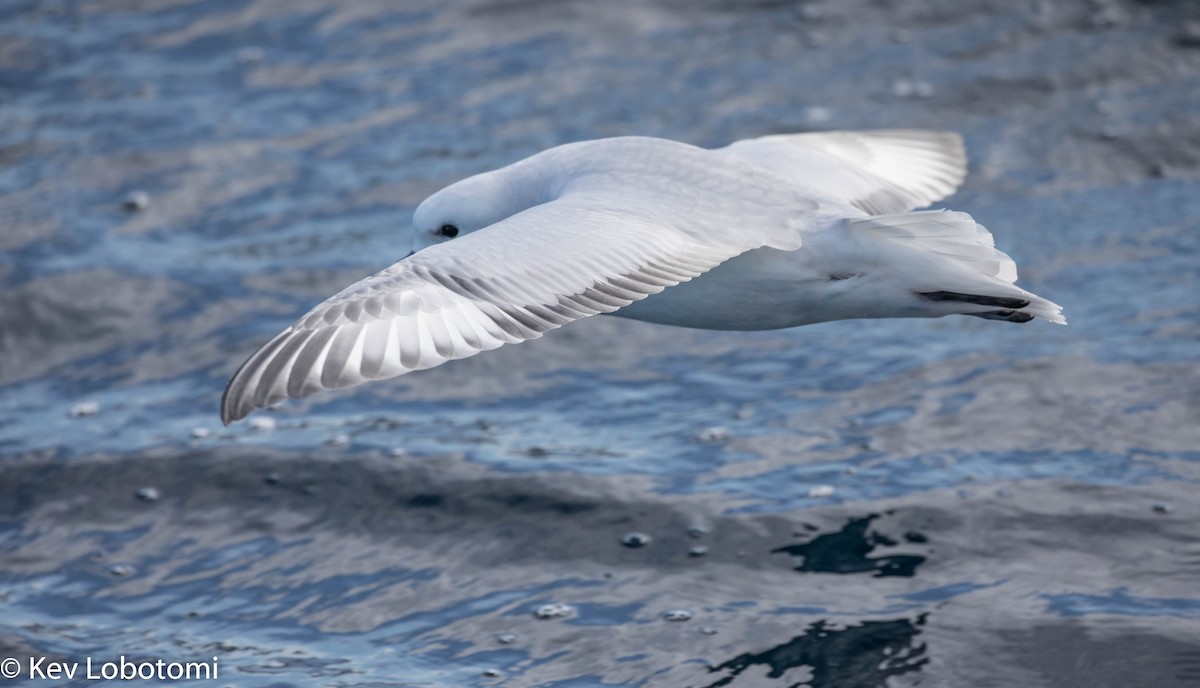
(768, 289)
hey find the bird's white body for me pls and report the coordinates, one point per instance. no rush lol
(767, 289)
(762, 234)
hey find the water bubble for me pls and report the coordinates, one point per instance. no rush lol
(556, 610)
(120, 570)
(1161, 508)
(698, 551)
(491, 673)
(399, 453)
(1107, 17)
(271, 478)
(250, 55)
(200, 433)
(86, 408)
(708, 630)
(821, 491)
(713, 435)
(262, 423)
(696, 531)
(506, 638)
(817, 114)
(677, 615)
(147, 494)
(136, 201)
(903, 88)
(338, 440)
(812, 11)
(635, 540)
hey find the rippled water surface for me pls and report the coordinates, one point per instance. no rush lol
(858, 504)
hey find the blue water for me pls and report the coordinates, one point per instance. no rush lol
(948, 502)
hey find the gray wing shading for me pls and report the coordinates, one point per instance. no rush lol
(508, 283)
(879, 172)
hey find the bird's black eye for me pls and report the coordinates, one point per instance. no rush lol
(448, 231)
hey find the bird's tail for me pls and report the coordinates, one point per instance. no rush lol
(951, 262)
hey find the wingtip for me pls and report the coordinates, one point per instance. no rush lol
(227, 413)
(231, 414)
(236, 401)
(234, 404)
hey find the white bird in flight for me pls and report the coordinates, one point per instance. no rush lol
(765, 233)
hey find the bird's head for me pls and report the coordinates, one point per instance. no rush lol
(470, 205)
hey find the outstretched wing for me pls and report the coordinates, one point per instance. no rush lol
(880, 172)
(513, 281)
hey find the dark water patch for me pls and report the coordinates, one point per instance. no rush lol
(425, 500)
(862, 655)
(848, 550)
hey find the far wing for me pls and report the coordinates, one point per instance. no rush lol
(880, 172)
(508, 283)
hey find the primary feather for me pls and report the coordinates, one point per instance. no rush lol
(879, 172)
